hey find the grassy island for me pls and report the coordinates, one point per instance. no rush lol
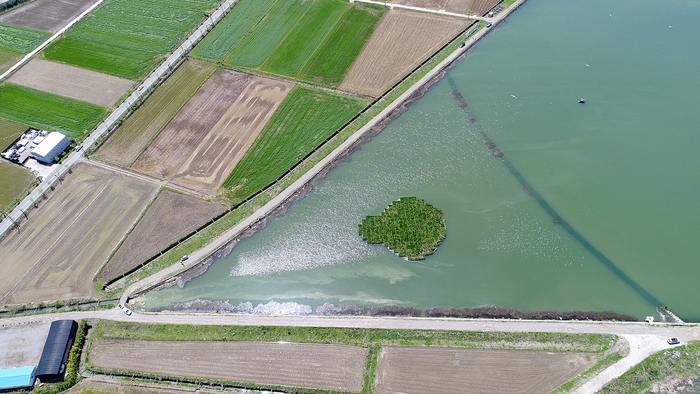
(409, 227)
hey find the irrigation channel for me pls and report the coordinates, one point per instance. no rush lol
(531, 191)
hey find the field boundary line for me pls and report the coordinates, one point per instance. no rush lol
(204, 252)
(51, 39)
(420, 9)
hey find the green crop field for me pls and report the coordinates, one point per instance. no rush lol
(307, 35)
(262, 41)
(128, 38)
(229, 31)
(13, 180)
(49, 112)
(19, 39)
(331, 61)
(9, 132)
(303, 120)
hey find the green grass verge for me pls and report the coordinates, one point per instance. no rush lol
(9, 132)
(128, 38)
(365, 337)
(14, 180)
(410, 227)
(685, 364)
(307, 35)
(210, 233)
(20, 40)
(303, 120)
(262, 41)
(230, 30)
(330, 62)
(49, 112)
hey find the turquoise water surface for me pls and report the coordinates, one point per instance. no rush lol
(621, 170)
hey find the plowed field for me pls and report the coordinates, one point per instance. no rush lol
(480, 7)
(401, 41)
(457, 6)
(170, 217)
(77, 83)
(455, 370)
(206, 139)
(59, 249)
(46, 15)
(307, 365)
(133, 136)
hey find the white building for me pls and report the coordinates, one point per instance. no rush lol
(50, 147)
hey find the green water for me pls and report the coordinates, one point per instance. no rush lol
(622, 170)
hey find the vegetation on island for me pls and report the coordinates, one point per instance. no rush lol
(409, 227)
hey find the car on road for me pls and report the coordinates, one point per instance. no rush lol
(184, 258)
(124, 309)
(673, 341)
(489, 24)
(78, 148)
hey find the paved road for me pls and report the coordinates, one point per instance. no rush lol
(150, 82)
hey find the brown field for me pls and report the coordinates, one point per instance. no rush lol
(133, 136)
(73, 82)
(453, 370)
(401, 41)
(207, 138)
(46, 15)
(58, 250)
(456, 6)
(171, 216)
(307, 365)
(480, 7)
(8, 60)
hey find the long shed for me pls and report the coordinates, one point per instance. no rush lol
(16, 379)
(52, 364)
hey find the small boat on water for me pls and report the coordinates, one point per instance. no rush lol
(582, 100)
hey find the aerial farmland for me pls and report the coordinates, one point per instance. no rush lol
(269, 84)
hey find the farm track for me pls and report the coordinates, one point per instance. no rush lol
(308, 365)
(401, 40)
(170, 217)
(448, 370)
(66, 240)
(72, 82)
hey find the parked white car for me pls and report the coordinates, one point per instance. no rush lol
(124, 309)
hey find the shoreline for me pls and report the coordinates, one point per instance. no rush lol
(222, 246)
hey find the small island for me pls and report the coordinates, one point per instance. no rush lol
(409, 227)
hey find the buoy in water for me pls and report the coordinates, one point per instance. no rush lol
(490, 144)
(555, 220)
(497, 153)
(582, 100)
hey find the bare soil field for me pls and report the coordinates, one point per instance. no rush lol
(46, 15)
(451, 370)
(96, 386)
(401, 41)
(480, 7)
(22, 344)
(8, 60)
(171, 216)
(306, 365)
(73, 82)
(58, 250)
(456, 6)
(207, 138)
(133, 136)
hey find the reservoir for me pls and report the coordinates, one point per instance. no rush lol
(622, 170)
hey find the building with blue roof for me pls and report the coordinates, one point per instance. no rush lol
(17, 378)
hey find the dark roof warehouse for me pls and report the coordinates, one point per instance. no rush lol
(52, 364)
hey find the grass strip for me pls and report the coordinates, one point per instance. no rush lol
(20, 40)
(303, 120)
(333, 58)
(231, 30)
(49, 112)
(262, 41)
(128, 38)
(679, 364)
(9, 132)
(307, 35)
